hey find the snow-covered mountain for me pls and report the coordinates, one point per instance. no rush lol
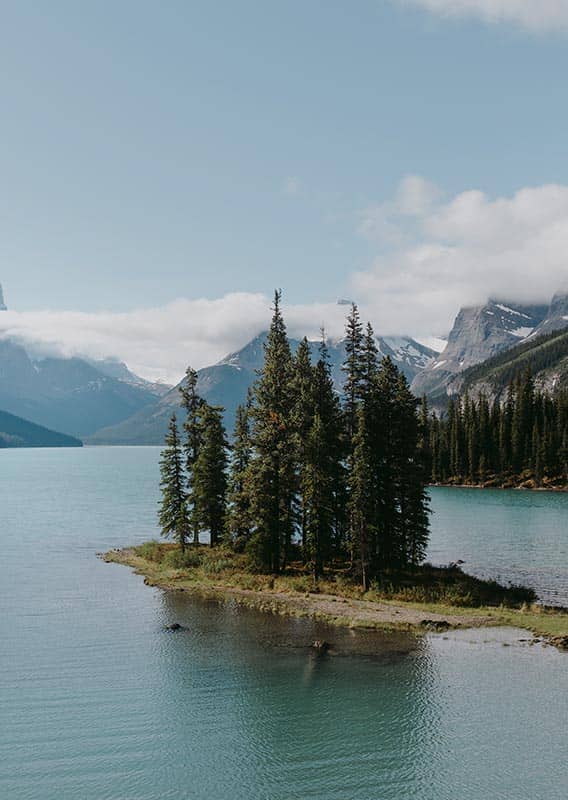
(481, 332)
(226, 384)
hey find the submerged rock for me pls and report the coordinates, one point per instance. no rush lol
(175, 626)
(435, 624)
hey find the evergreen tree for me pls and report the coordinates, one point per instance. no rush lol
(193, 405)
(173, 516)
(353, 368)
(361, 491)
(209, 474)
(515, 440)
(239, 523)
(273, 474)
(411, 476)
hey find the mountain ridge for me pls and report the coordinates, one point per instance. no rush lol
(18, 432)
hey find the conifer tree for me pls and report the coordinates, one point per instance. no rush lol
(193, 405)
(173, 516)
(273, 473)
(209, 474)
(353, 369)
(361, 490)
(411, 475)
(239, 523)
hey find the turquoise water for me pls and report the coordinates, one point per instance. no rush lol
(514, 536)
(98, 701)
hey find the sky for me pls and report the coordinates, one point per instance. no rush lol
(165, 166)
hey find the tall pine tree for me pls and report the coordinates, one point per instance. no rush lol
(173, 516)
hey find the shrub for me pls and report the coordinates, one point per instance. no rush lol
(175, 559)
(151, 551)
(214, 563)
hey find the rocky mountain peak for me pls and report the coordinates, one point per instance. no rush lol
(3, 306)
(478, 333)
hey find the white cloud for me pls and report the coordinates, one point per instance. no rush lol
(534, 15)
(442, 253)
(159, 343)
(461, 251)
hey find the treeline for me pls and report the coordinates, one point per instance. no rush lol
(536, 355)
(523, 440)
(310, 474)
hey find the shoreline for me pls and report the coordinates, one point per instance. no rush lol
(549, 626)
(552, 489)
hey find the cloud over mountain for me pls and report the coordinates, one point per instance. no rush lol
(437, 253)
(158, 343)
(434, 254)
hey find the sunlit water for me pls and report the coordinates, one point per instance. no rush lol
(98, 701)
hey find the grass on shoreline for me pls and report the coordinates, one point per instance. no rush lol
(445, 594)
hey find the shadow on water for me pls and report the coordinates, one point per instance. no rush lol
(238, 630)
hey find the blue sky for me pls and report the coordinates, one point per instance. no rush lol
(156, 151)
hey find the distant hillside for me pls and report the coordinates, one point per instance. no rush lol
(227, 382)
(18, 432)
(546, 356)
(67, 394)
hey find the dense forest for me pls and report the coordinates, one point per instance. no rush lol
(310, 475)
(519, 441)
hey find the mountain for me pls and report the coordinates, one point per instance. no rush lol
(113, 368)
(226, 384)
(65, 394)
(556, 317)
(546, 356)
(2, 303)
(18, 432)
(479, 333)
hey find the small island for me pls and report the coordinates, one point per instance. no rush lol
(427, 599)
(318, 507)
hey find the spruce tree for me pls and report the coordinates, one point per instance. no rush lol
(353, 368)
(361, 506)
(173, 516)
(273, 473)
(193, 405)
(239, 523)
(209, 474)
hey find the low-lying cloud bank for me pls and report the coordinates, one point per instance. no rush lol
(533, 15)
(436, 254)
(159, 343)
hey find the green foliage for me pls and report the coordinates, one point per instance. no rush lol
(151, 551)
(209, 475)
(308, 476)
(272, 475)
(520, 441)
(217, 562)
(173, 516)
(239, 521)
(176, 559)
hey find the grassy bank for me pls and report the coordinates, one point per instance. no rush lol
(428, 598)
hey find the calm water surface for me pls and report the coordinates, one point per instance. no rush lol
(97, 701)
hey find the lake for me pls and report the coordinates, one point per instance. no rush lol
(98, 701)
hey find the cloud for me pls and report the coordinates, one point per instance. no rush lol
(435, 253)
(533, 15)
(159, 343)
(445, 253)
